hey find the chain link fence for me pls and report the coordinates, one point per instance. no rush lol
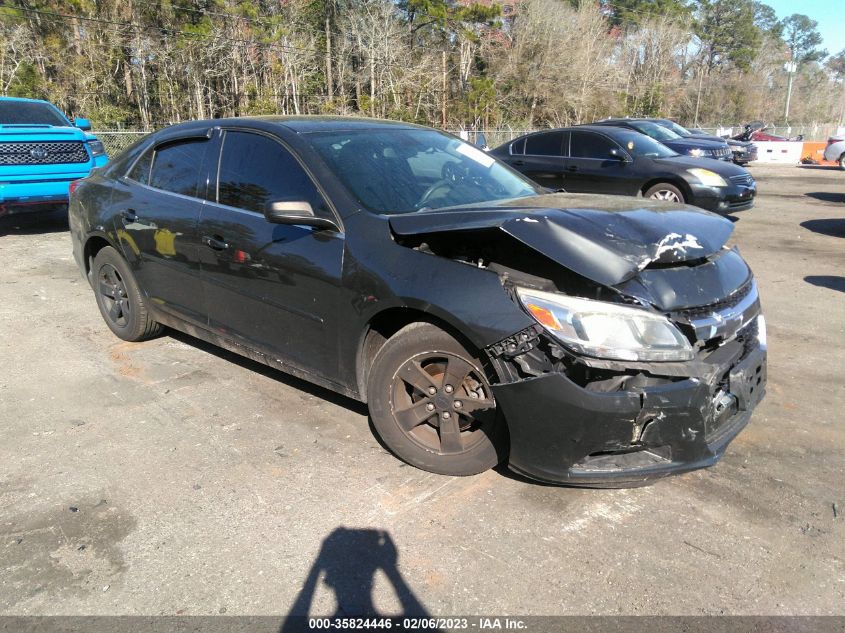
(115, 141)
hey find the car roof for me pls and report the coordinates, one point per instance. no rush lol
(625, 120)
(302, 123)
(590, 127)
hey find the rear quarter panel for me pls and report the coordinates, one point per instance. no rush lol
(90, 215)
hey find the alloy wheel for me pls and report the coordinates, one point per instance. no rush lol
(442, 402)
(113, 293)
(665, 194)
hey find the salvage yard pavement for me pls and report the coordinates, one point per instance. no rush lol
(170, 477)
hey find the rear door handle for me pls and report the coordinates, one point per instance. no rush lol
(215, 243)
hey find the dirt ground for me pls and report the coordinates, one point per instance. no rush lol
(170, 477)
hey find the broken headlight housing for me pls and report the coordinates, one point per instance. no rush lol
(606, 330)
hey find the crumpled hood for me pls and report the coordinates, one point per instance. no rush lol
(607, 239)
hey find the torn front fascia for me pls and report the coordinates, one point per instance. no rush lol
(522, 350)
(532, 352)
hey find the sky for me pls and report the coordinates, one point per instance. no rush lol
(830, 14)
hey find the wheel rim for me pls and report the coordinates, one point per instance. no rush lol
(665, 194)
(442, 402)
(113, 294)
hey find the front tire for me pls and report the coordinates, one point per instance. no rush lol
(121, 302)
(431, 403)
(665, 191)
(842, 162)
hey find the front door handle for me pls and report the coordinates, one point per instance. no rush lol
(518, 162)
(215, 243)
(572, 168)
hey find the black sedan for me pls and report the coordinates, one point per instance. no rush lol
(585, 340)
(697, 148)
(615, 160)
(744, 152)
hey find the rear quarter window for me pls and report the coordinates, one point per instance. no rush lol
(176, 166)
(140, 172)
(118, 166)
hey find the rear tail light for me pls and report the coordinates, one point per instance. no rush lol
(74, 185)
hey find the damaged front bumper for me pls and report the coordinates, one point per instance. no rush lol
(565, 433)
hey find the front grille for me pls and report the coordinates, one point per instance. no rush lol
(46, 153)
(742, 179)
(725, 304)
(724, 152)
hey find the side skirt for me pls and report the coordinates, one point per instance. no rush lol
(238, 348)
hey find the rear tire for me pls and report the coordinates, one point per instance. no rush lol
(119, 298)
(842, 162)
(665, 191)
(431, 403)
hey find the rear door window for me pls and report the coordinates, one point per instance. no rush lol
(176, 166)
(256, 169)
(545, 144)
(591, 145)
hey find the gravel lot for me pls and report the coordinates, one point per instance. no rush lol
(170, 477)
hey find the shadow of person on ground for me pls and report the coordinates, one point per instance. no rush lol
(348, 561)
(33, 223)
(835, 227)
(827, 281)
(826, 196)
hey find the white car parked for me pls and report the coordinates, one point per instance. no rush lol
(835, 150)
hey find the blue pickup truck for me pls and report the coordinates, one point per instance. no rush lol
(41, 153)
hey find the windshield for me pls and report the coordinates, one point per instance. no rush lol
(30, 113)
(406, 170)
(641, 145)
(677, 129)
(657, 132)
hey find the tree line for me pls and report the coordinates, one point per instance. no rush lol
(449, 63)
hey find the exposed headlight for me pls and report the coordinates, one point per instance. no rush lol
(96, 148)
(707, 177)
(606, 330)
(696, 152)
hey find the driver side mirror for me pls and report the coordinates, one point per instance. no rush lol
(619, 155)
(295, 212)
(481, 142)
(82, 124)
